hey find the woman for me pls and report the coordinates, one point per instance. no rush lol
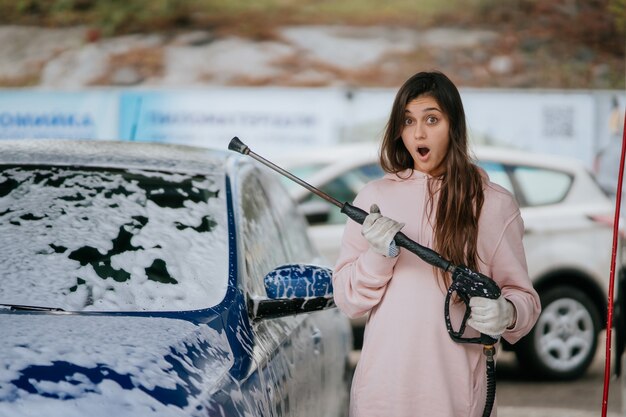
(409, 365)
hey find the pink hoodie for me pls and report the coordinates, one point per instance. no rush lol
(409, 365)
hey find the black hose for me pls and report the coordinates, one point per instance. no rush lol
(489, 352)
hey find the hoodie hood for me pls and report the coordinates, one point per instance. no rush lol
(413, 174)
(407, 174)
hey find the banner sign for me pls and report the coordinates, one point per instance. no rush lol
(572, 123)
(266, 119)
(67, 115)
(558, 123)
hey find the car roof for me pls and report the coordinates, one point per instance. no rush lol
(113, 154)
(339, 159)
(517, 156)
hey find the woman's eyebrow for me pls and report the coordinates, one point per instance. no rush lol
(426, 110)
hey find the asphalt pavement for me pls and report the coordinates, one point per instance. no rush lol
(549, 412)
(523, 396)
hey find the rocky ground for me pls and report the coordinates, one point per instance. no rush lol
(559, 49)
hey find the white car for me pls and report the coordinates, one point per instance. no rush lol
(567, 248)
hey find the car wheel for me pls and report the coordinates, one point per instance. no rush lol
(563, 342)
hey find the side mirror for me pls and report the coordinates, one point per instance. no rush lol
(315, 212)
(294, 289)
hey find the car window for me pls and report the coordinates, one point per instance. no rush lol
(291, 224)
(542, 186)
(532, 186)
(109, 240)
(262, 241)
(344, 188)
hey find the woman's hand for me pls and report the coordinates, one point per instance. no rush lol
(379, 232)
(491, 317)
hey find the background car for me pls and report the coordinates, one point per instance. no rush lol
(145, 279)
(567, 248)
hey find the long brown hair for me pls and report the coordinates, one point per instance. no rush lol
(460, 187)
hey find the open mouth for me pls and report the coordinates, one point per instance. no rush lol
(423, 151)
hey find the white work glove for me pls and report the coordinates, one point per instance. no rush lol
(379, 232)
(491, 317)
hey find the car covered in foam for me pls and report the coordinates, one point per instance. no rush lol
(148, 279)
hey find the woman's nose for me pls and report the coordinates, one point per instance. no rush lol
(419, 131)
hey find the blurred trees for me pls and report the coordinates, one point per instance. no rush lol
(599, 18)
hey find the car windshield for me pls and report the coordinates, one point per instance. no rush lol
(93, 239)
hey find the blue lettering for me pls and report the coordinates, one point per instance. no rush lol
(88, 120)
(23, 120)
(28, 120)
(40, 120)
(6, 119)
(246, 119)
(56, 120)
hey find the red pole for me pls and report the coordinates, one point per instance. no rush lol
(609, 315)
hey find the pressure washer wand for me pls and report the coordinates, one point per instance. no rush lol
(355, 213)
(238, 146)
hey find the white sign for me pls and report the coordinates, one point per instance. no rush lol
(67, 115)
(265, 119)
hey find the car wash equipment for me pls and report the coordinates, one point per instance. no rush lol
(466, 283)
(611, 295)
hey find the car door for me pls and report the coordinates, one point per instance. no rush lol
(292, 361)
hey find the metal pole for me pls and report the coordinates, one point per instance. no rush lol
(609, 315)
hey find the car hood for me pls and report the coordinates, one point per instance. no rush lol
(104, 365)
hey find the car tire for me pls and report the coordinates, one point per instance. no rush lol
(563, 342)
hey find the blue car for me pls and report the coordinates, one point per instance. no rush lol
(147, 279)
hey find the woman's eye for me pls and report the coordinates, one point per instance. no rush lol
(431, 120)
(408, 121)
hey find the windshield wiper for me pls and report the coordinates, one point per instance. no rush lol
(22, 307)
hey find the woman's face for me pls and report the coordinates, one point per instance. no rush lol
(426, 135)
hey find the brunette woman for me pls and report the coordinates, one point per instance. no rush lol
(437, 196)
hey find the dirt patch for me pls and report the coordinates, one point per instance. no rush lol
(132, 67)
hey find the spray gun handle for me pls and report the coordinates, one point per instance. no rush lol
(355, 213)
(467, 283)
(426, 254)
